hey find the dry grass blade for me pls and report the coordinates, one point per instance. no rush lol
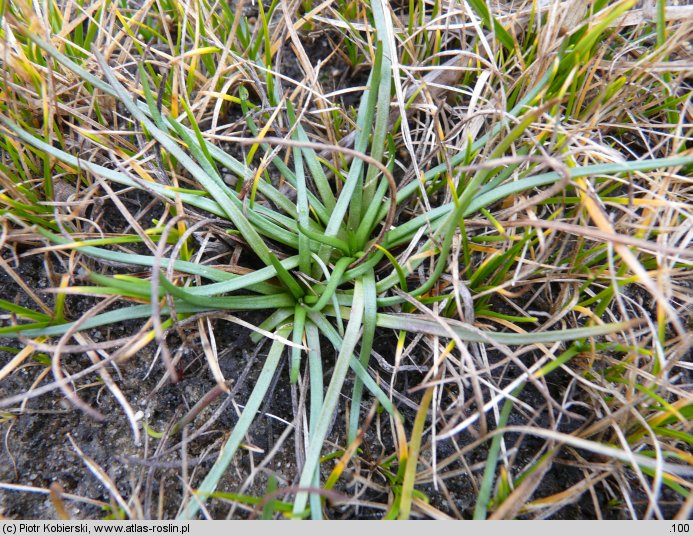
(103, 477)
